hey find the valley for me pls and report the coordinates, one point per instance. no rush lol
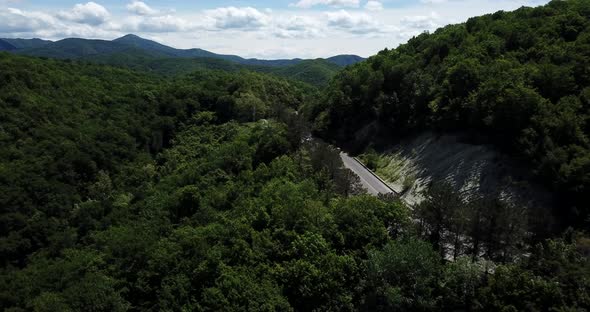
(450, 173)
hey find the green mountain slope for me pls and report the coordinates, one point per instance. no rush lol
(154, 47)
(518, 79)
(125, 191)
(85, 118)
(137, 53)
(315, 72)
(165, 66)
(27, 43)
(345, 60)
(82, 48)
(6, 46)
(75, 48)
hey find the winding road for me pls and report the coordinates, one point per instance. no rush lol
(369, 180)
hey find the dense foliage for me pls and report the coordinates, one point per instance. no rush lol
(317, 73)
(138, 53)
(63, 124)
(122, 191)
(519, 79)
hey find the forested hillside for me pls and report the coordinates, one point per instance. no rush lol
(314, 72)
(6, 46)
(66, 125)
(126, 190)
(137, 53)
(317, 73)
(520, 80)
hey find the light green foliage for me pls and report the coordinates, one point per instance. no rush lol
(386, 166)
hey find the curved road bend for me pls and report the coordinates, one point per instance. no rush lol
(368, 179)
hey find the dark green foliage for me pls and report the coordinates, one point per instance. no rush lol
(75, 48)
(345, 60)
(123, 191)
(403, 277)
(518, 79)
(6, 46)
(555, 277)
(126, 191)
(148, 46)
(70, 132)
(315, 72)
(26, 43)
(487, 227)
(141, 54)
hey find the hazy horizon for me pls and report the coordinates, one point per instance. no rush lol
(251, 29)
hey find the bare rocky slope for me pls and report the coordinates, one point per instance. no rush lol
(470, 168)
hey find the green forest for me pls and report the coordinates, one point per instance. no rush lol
(520, 80)
(314, 72)
(141, 54)
(126, 189)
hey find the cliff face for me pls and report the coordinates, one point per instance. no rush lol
(472, 169)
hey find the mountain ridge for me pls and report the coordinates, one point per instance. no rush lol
(79, 48)
(6, 46)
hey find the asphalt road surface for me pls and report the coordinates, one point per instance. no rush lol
(368, 179)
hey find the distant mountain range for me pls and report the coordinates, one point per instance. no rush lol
(132, 45)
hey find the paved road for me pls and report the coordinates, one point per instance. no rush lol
(368, 179)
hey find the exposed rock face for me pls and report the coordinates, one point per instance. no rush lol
(472, 169)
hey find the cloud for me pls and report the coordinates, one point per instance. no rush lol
(356, 23)
(250, 31)
(155, 24)
(421, 22)
(306, 4)
(27, 24)
(246, 18)
(297, 27)
(90, 13)
(17, 21)
(141, 8)
(279, 53)
(374, 6)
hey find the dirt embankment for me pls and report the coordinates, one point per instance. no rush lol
(471, 169)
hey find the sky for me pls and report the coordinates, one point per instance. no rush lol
(266, 29)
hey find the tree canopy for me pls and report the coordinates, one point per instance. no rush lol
(127, 191)
(518, 79)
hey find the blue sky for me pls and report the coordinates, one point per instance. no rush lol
(197, 4)
(262, 29)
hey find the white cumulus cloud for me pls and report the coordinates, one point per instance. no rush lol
(421, 22)
(237, 18)
(28, 24)
(356, 23)
(374, 6)
(305, 4)
(17, 21)
(156, 24)
(141, 8)
(297, 27)
(90, 13)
